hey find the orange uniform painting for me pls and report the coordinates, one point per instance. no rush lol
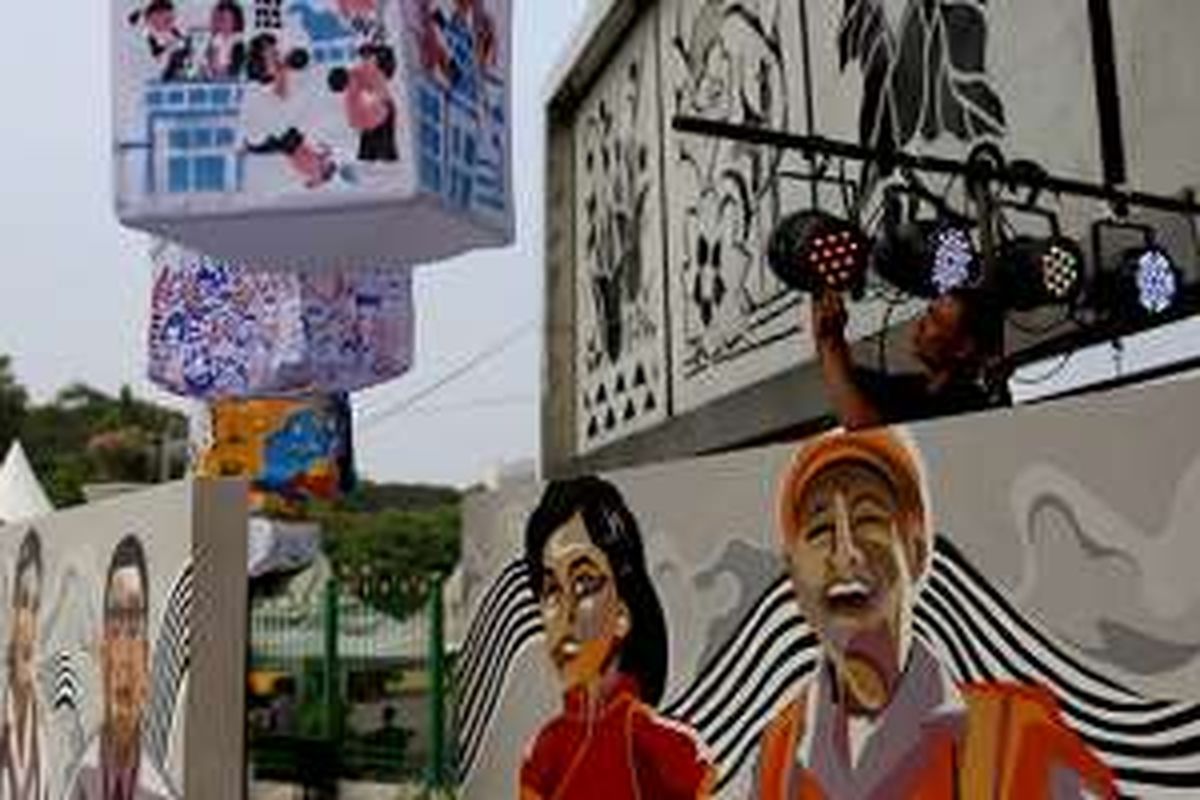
(881, 716)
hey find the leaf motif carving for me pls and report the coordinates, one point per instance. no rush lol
(929, 78)
(966, 92)
(908, 76)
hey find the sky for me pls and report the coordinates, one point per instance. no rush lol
(75, 286)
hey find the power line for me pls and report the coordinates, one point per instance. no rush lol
(500, 401)
(470, 365)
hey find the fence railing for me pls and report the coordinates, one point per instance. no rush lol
(348, 682)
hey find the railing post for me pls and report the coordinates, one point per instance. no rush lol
(437, 686)
(333, 717)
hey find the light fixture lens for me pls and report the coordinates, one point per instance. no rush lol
(1061, 273)
(813, 251)
(954, 259)
(1156, 281)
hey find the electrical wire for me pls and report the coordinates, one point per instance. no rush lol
(1042, 330)
(470, 365)
(503, 401)
(882, 354)
(1050, 374)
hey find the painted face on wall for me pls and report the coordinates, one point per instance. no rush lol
(24, 636)
(584, 617)
(125, 654)
(224, 21)
(849, 562)
(161, 18)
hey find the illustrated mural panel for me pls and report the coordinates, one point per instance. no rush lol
(290, 449)
(236, 100)
(620, 316)
(855, 615)
(236, 106)
(97, 629)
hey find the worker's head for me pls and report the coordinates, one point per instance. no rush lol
(856, 538)
(959, 332)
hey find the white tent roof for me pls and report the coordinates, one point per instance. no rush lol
(21, 495)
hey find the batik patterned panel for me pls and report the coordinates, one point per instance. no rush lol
(219, 329)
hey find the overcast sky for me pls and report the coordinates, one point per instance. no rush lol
(74, 285)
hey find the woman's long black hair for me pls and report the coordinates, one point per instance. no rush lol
(612, 528)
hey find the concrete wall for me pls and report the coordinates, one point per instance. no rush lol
(678, 223)
(192, 535)
(1067, 544)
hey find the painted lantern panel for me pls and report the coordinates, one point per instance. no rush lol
(287, 130)
(220, 330)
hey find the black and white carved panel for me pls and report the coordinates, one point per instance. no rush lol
(732, 322)
(621, 326)
(942, 76)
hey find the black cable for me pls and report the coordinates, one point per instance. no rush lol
(509, 401)
(1050, 374)
(1035, 330)
(473, 363)
(882, 354)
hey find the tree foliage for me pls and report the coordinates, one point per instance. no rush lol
(86, 436)
(13, 403)
(387, 553)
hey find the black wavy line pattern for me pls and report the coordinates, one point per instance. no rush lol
(771, 601)
(1152, 745)
(172, 657)
(493, 609)
(68, 691)
(510, 608)
(507, 620)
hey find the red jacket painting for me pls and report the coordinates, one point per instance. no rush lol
(620, 750)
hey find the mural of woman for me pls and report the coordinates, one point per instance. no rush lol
(607, 638)
(21, 742)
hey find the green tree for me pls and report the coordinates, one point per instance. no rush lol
(386, 555)
(87, 436)
(13, 403)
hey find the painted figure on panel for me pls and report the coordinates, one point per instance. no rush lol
(369, 106)
(225, 56)
(115, 766)
(22, 745)
(881, 717)
(607, 638)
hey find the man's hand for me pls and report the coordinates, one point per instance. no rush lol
(829, 317)
(854, 408)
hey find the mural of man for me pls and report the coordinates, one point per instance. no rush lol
(115, 766)
(22, 746)
(881, 716)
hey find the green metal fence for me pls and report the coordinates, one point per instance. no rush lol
(347, 682)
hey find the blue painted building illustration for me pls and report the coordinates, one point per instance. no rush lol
(460, 136)
(191, 144)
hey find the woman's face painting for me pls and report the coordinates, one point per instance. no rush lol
(584, 617)
(161, 20)
(224, 22)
